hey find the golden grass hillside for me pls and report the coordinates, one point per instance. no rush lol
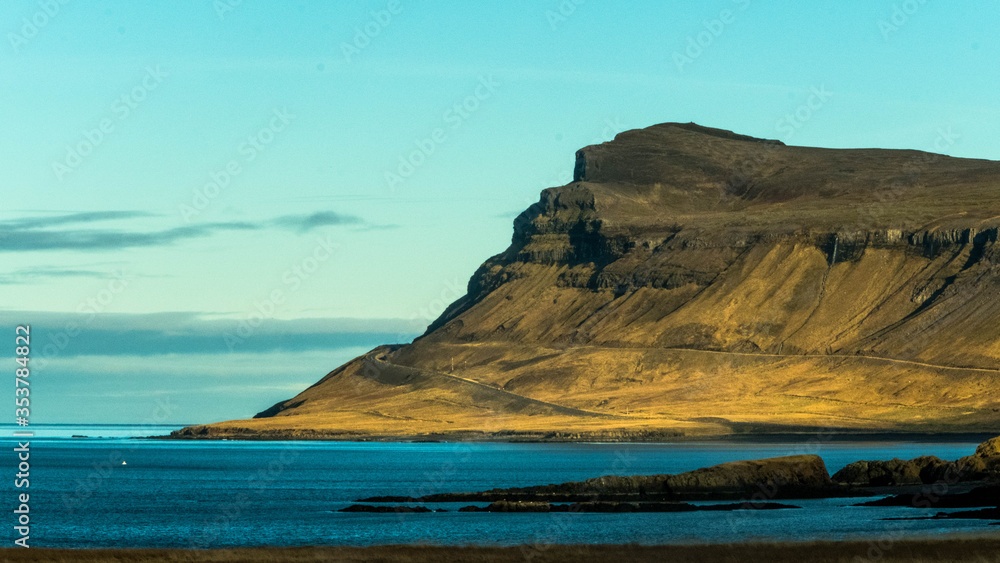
(692, 281)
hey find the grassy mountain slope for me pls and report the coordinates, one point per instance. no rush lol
(694, 281)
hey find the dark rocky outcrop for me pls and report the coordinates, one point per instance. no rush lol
(926, 481)
(775, 481)
(984, 464)
(758, 481)
(925, 469)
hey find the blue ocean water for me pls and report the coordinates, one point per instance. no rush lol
(227, 493)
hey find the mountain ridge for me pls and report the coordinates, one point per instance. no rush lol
(691, 274)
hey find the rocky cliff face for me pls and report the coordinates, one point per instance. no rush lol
(695, 280)
(696, 220)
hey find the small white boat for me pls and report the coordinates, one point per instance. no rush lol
(123, 463)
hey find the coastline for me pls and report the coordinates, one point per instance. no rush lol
(803, 435)
(983, 547)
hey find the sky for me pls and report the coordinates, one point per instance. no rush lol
(206, 205)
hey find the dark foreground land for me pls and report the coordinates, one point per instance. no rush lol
(942, 550)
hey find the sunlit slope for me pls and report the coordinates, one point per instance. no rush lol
(692, 280)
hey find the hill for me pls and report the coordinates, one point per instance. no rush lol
(693, 281)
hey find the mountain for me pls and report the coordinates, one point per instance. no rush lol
(694, 281)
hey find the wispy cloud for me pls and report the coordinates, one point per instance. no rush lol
(70, 219)
(37, 274)
(95, 239)
(185, 333)
(305, 223)
(32, 275)
(44, 233)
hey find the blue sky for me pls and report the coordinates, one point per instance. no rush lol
(333, 172)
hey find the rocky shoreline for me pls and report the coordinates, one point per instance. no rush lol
(739, 434)
(924, 482)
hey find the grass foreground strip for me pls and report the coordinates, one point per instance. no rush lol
(936, 550)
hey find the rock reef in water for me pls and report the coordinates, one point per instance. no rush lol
(984, 464)
(754, 481)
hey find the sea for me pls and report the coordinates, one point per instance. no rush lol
(214, 494)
